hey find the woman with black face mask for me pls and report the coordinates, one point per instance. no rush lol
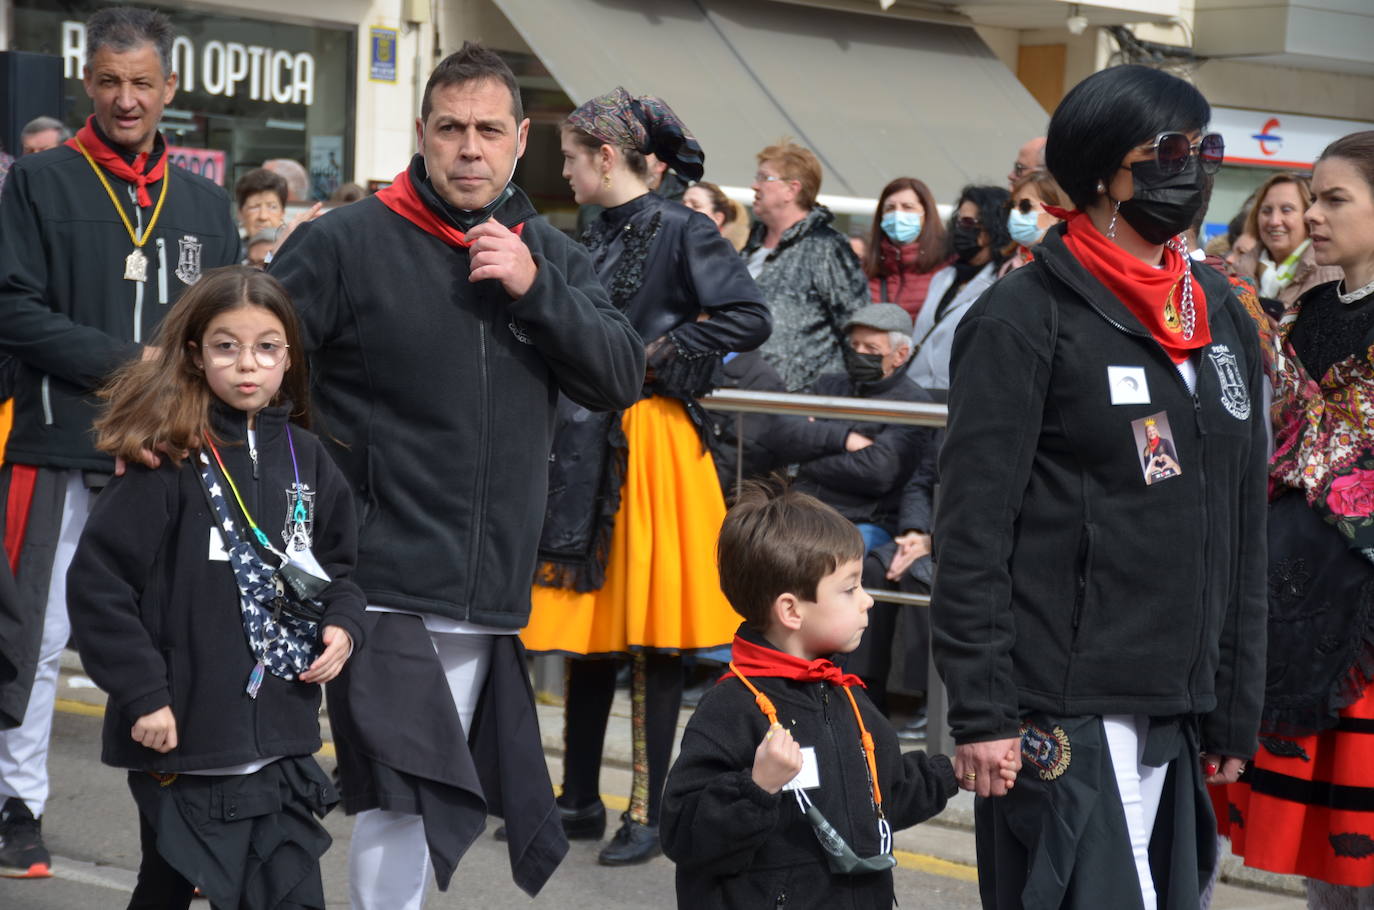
(1099, 623)
(977, 235)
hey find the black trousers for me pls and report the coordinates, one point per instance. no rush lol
(160, 887)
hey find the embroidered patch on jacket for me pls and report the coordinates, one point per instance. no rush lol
(188, 259)
(1284, 748)
(1352, 844)
(1048, 750)
(1235, 397)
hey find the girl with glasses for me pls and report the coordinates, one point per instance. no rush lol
(1027, 218)
(182, 616)
(1099, 612)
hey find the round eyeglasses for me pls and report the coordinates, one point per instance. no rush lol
(1172, 151)
(227, 353)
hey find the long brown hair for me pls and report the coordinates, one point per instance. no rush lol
(931, 238)
(163, 404)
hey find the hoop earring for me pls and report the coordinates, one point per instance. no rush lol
(1111, 226)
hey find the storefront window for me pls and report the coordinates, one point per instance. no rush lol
(250, 90)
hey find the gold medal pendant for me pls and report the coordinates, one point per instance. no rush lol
(136, 266)
(1172, 322)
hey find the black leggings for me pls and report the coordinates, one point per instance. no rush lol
(656, 696)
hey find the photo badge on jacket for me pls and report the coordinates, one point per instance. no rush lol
(1154, 440)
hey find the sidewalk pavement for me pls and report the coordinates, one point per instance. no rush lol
(943, 846)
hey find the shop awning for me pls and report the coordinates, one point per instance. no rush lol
(873, 97)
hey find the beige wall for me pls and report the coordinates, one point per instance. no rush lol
(1285, 90)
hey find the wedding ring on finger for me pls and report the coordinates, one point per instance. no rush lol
(970, 775)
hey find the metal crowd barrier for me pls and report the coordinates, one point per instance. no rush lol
(915, 413)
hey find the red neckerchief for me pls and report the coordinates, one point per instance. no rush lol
(1144, 290)
(402, 199)
(757, 660)
(111, 161)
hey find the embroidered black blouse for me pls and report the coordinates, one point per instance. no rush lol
(665, 264)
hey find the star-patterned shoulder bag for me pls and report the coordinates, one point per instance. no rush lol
(280, 612)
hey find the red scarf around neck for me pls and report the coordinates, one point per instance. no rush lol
(758, 660)
(402, 198)
(1146, 291)
(111, 161)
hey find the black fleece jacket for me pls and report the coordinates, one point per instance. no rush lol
(157, 621)
(67, 314)
(436, 396)
(1066, 583)
(737, 846)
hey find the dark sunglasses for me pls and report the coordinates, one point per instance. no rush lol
(1024, 206)
(1172, 151)
(968, 222)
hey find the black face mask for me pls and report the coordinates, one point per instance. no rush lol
(1163, 205)
(863, 369)
(964, 240)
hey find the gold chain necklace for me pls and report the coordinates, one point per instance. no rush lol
(136, 263)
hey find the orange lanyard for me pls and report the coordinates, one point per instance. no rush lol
(766, 706)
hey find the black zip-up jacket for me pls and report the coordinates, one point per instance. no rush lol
(436, 396)
(1065, 583)
(737, 846)
(158, 622)
(67, 313)
(865, 486)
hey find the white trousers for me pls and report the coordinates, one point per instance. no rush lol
(24, 749)
(388, 859)
(1141, 788)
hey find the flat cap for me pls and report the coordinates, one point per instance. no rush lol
(885, 317)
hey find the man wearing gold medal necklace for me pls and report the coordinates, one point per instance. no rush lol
(102, 234)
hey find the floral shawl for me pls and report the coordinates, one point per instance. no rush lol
(1324, 438)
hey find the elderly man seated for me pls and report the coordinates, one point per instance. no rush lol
(860, 468)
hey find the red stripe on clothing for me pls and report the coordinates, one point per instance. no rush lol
(23, 477)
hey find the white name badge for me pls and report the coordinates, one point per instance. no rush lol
(217, 551)
(809, 777)
(1127, 385)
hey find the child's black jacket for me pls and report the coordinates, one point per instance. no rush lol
(157, 621)
(737, 846)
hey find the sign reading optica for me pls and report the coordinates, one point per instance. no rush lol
(1271, 139)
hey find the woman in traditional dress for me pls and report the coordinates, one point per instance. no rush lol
(1306, 807)
(628, 548)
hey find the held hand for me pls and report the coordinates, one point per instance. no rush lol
(990, 768)
(777, 760)
(911, 546)
(497, 252)
(338, 647)
(1221, 769)
(856, 441)
(157, 731)
(287, 229)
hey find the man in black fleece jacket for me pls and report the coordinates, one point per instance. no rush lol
(443, 316)
(102, 234)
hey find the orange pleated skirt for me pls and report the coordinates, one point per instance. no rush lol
(1310, 811)
(662, 591)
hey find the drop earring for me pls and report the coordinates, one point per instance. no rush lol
(606, 181)
(1111, 226)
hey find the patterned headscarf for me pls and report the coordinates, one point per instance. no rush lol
(645, 124)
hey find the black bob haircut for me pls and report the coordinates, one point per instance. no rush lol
(472, 62)
(1108, 114)
(991, 202)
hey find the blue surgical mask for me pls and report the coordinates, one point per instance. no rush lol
(901, 227)
(1024, 228)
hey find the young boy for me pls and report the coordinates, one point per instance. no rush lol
(780, 750)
